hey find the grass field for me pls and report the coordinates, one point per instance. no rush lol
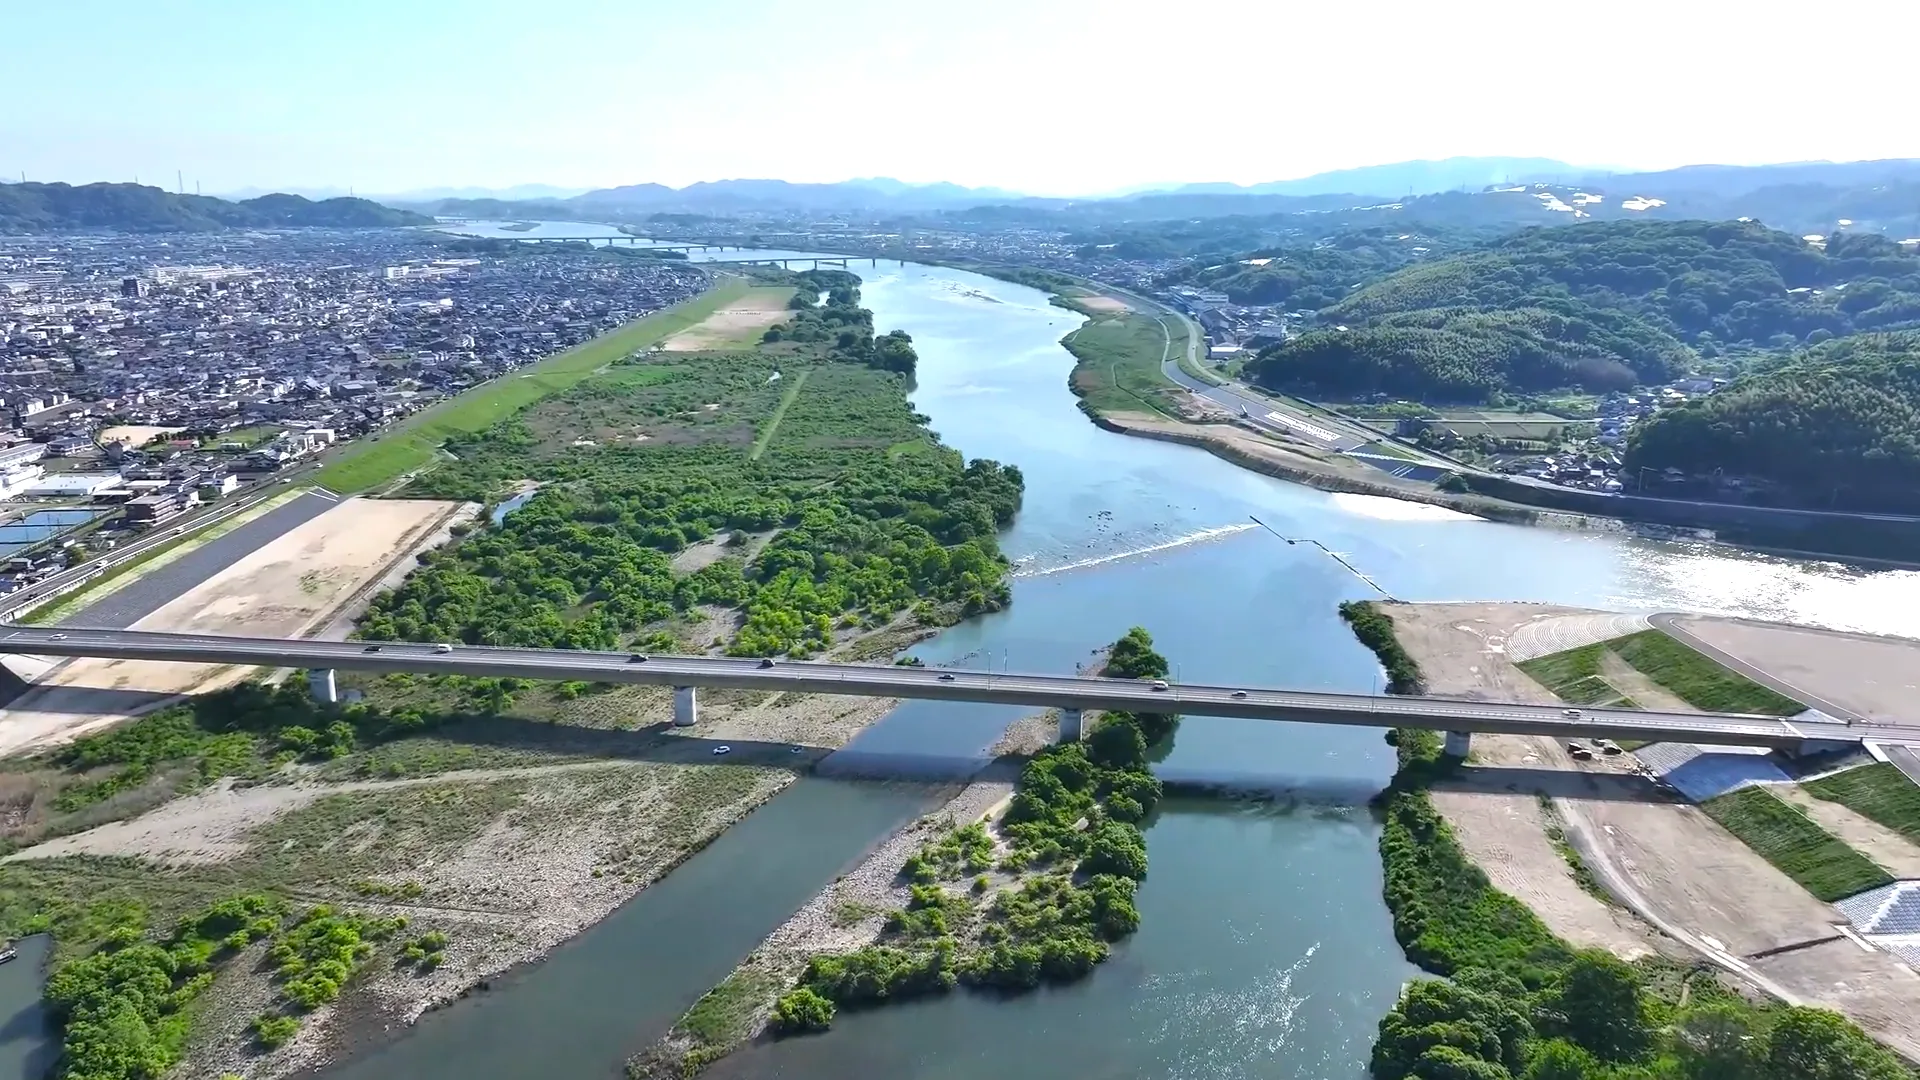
(1118, 368)
(1879, 791)
(1792, 841)
(1574, 676)
(1697, 679)
(779, 412)
(390, 454)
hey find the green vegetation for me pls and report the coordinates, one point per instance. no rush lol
(1576, 676)
(1075, 846)
(1697, 679)
(410, 444)
(772, 426)
(1836, 428)
(1519, 1003)
(121, 1009)
(873, 517)
(274, 1029)
(1794, 842)
(1599, 306)
(801, 1010)
(41, 208)
(1374, 627)
(1118, 360)
(1879, 791)
(318, 953)
(841, 325)
(246, 730)
(1317, 275)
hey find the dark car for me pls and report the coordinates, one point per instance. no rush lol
(371, 648)
(637, 658)
(946, 676)
(768, 661)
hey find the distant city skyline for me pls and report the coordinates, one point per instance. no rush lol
(1043, 99)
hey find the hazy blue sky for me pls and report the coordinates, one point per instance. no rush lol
(1049, 97)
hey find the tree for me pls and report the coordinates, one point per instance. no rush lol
(802, 1010)
(1596, 1002)
(1453, 1063)
(1716, 1042)
(1118, 744)
(1559, 1059)
(1117, 848)
(1816, 1044)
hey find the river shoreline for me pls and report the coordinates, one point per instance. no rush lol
(1600, 858)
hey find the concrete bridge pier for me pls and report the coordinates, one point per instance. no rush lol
(321, 685)
(686, 707)
(1069, 725)
(1458, 744)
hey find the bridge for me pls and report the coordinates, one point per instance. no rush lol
(1072, 695)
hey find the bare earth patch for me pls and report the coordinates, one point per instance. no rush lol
(136, 434)
(284, 589)
(1877, 678)
(1102, 304)
(739, 323)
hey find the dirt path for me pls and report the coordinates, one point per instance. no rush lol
(1643, 691)
(1897, 854)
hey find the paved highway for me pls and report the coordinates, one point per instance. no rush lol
(69, 579)
(975, 686)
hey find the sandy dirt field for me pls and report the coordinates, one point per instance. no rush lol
(1666, 860)
(738, 323)
(284, 589)
(1873, 677)
(1102, 303)
(135, 434)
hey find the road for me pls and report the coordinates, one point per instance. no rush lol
(863, 680)
(67, 580)
(1670, 623)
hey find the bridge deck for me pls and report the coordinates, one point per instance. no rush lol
(1054, 691)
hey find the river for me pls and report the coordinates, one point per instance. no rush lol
(1264, 949)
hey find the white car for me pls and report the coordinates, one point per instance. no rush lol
(1571, 714)
(718, 750)
(443, 647)
(1158, 684)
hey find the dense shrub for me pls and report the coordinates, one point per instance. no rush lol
(802, 1010)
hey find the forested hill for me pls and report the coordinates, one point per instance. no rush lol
(1838, 427)
(45, 208)
(1598, 307)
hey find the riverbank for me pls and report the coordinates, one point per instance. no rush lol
(498, 818)
(1018, 880)
(1595, 854)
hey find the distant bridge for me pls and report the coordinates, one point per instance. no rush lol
(1070, 694)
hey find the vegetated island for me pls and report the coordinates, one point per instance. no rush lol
(1512, 1000)
(1007, 888)
(49, 208)
(753, 499)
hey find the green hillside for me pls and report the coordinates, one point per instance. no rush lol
(1837, 427)
(1596, 307)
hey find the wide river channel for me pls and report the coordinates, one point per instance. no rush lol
(1264, 949)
